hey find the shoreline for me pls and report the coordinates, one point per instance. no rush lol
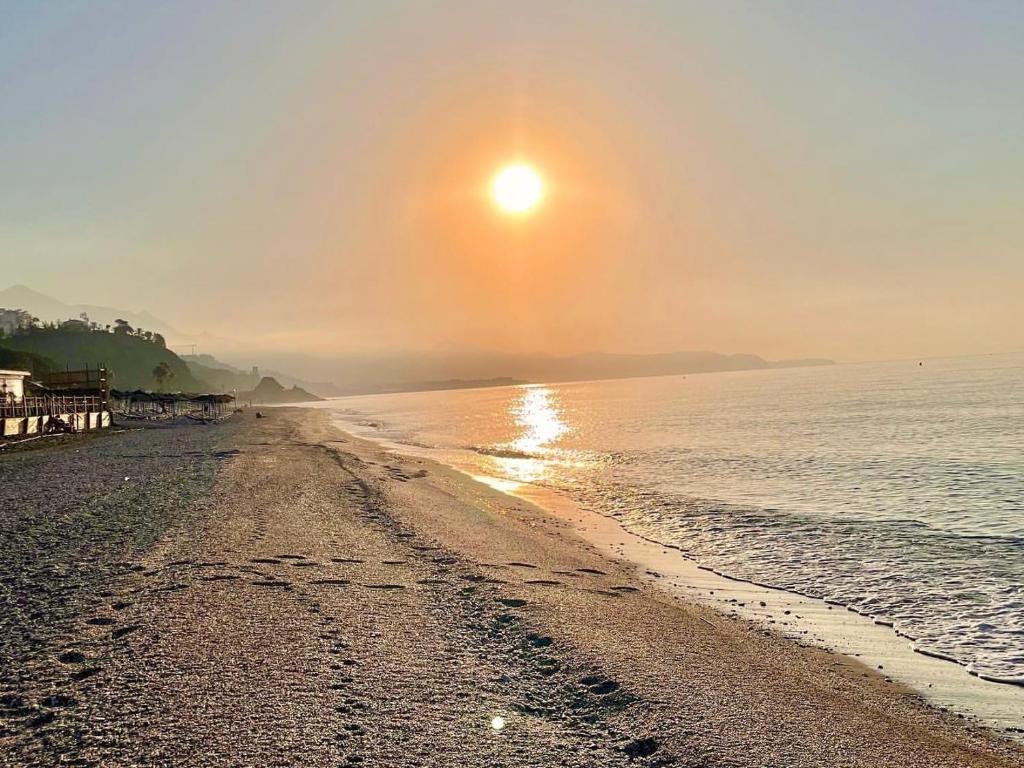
(944, 682)
(276, 592)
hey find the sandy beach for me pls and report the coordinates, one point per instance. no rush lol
(276, 592)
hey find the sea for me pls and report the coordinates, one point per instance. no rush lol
(895, 489)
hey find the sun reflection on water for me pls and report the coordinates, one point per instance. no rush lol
(538, 414)
(529, 456)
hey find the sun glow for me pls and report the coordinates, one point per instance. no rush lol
(517, 188)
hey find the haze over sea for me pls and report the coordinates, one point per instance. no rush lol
(896, 489)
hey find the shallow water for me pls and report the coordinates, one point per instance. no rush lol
(894, 488)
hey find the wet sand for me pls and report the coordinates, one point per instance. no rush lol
(274, 592)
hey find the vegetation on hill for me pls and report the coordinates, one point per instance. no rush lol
(37, 365)
(134, 358)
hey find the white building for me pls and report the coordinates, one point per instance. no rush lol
(12, 386)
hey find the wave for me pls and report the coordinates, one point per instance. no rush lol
(502, 453)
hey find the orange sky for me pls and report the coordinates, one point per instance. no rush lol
(785, 181)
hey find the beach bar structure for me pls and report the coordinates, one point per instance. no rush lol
(67, 401)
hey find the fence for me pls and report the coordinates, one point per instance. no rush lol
(52, 405)
(34, 416)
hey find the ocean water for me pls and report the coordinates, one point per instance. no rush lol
(895, 489)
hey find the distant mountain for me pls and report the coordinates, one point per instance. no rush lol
(47, 308)
(322, 388)
(270, 392)
(431, 386)
(605, 365)
(218, 376)
(360, 374)
(368, 374)
(224, 377)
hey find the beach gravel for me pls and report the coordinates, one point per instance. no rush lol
(275, 593)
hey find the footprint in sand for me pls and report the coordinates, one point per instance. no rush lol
(383, 586)
(641, 748)
(522, 565)
(269, 583)
(86, 673)
(601, 686)
(266, 560)
(512, 602)
(543, 582)
(58, 701)
(594, 571)
(171, 588)
(347, 560)
(624, 589)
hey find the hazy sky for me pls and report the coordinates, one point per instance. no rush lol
(786, 178)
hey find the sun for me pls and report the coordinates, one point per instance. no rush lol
(517, 188)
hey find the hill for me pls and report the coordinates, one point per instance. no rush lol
(601, 365)
(224, 377)
(270, 392)
(431, 386)
(371, 373)
(130, 359)
(13, 360)
(218, 376)
(46, 308)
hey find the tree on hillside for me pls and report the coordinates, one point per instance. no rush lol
(122, 327)
(159, 340)
(162, 373)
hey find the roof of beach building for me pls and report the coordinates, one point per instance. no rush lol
(168, 397)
